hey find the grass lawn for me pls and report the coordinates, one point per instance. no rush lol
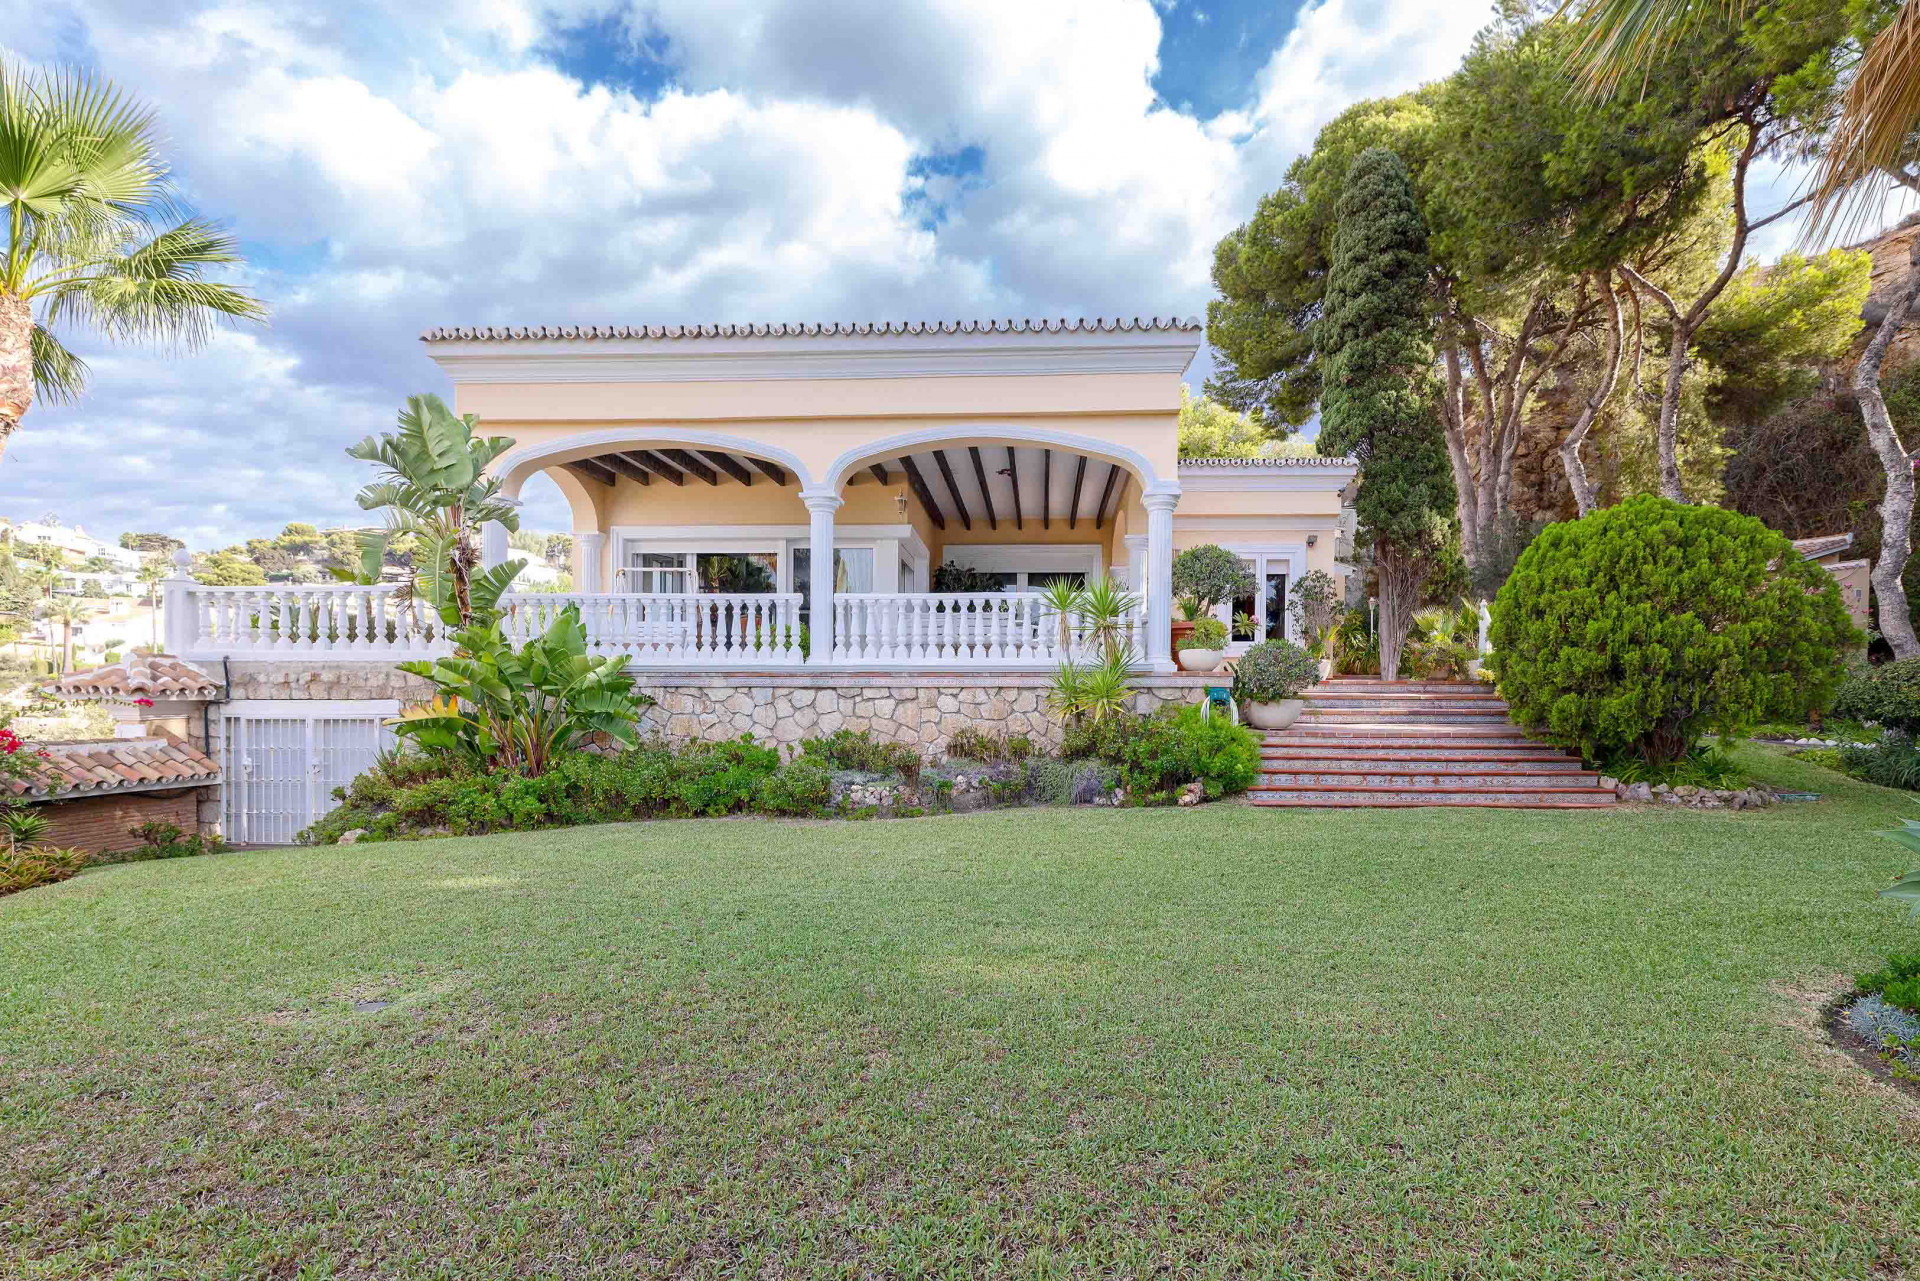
(1228, 1042)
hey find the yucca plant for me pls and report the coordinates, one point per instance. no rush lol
(1063, 598)
(1092, 691)
(23, 826)
(1105, 608)
(1907, 888)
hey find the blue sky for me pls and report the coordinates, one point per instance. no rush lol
(389, 168)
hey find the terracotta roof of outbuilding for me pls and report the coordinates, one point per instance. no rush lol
(1824, 545)
(71, 770)
(833, 329)
(142, 676)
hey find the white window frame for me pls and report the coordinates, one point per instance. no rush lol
(890, 544)
(1031, 563)
(1287, 559)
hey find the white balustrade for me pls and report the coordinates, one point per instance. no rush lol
(965, 629)
(700, 630)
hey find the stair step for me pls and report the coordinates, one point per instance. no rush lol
(1439, 715)
(1436, 705)
(1439, 758)
(1403, 778)
(1411, 800)
(1374, 683)
(1492, 728)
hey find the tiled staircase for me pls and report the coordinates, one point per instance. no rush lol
(1368, 742)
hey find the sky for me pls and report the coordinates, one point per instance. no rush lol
(388, 168)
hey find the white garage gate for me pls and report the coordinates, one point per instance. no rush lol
(280, 760)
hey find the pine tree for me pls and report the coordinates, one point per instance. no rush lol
(1380, 400)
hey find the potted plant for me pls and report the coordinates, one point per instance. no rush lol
(1204, 645)
(1268, 681)
(1314, 603)
(1207, 575)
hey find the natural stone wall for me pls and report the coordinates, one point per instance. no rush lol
(297, 678)
(922, 711)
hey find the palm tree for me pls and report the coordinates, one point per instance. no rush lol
(1874, 139)
(95, 237)
(153, 571)
(66, 611)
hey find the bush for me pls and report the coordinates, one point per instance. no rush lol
(860, 750)
(1889, 694)
(1644, 626)
(971, 744)
(800, 788)
(1897, 983)
(1208, 633)
(1211, 574)
(1170, 752)
(1272, 671)
(1703, 767)
(1102, 740)
(22, 867)
(720, 778)
(1894, 761)
(1050, 781)
(164, 840)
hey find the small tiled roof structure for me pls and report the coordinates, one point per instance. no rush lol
(72, 770)
(141, 676)
(831, 329)
(1824, 545)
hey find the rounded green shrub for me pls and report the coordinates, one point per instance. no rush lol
(1273, 671)
(800, 788)
(1645, 626)
(1210, 574)
(1889, 694)
(1208, 633)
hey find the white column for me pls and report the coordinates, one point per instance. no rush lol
(177, 609)
(820, 510)
(1160, 507)
(589, 553)
(1136, 545)
(493, 544)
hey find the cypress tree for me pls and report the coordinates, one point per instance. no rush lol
(1380, 400)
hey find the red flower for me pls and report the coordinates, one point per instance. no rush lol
(9, 741)
(143, 702)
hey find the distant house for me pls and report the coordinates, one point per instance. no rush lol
(77, 543)
(1829, 552)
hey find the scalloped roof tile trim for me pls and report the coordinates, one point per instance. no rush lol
(1254, 463)
(143, 675)
(834, 329)
(73, 770)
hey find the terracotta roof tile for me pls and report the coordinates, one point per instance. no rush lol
(832, 329)
(141, 676)
(1824, 545)
(90, 769)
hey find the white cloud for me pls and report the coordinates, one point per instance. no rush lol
(405, 166)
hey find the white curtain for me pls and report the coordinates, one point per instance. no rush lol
(853, 569)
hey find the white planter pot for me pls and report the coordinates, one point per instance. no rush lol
(1272, 716)
(1202, 660)
(1326, 668)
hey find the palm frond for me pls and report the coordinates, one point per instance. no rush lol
(59, 376)
(156, 290)
(1619, 37)
(1875, 132)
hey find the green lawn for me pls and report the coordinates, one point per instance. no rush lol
(1228, 1042)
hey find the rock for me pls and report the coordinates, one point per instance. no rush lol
(1192, 794)
(1610, 783)
(1639, 792)
(352, 835)
(1621, 791)
(1662, 790)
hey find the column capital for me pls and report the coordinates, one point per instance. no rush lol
(1161, 496)
(591, 537)
(1134, 542)
(821, 500)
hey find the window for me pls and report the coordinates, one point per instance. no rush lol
(1262, 615)
(852, 572)
(1028, 568)
(665, 573)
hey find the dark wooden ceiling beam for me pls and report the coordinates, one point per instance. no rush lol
(879, 471)
(727, 464)
(1106, 492)
(774, 473)
(1013, 479)
(986, 495)
(626, 467)
(598, 473)
(658, 465)
(918, 483)
(1046, 489)
(693, 465)
(1073, 508)
(959, 503)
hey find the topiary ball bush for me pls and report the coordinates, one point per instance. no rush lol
(1889, 694)
(1210, 574)
(1645, 626)
(1273, 671)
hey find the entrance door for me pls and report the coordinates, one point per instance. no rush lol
(281, 759)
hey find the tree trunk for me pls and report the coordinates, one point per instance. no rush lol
(1453, 420)
(1896, 509)
(1399, 576)
(1583, 489)
(16, 364)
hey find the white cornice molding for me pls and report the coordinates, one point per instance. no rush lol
(837, 356)
(1322, 479)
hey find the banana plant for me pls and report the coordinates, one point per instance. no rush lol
(502, 708)
(434, 485)
(1907, 888)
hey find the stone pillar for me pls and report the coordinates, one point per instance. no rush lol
(1159, 591)
(589, 554)
(493, 544)
(1136, 545)
(820, 510)
(177, 605)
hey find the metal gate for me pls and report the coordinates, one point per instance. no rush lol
(281, 759)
